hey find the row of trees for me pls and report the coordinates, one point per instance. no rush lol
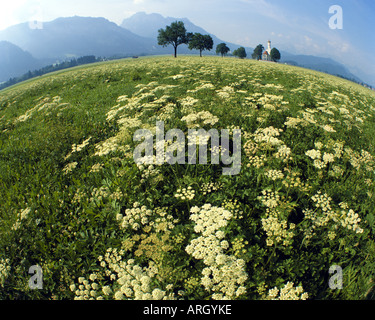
(176, 34)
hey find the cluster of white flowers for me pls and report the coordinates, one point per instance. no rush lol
(288, 292)
(234, 207)
(320, 162)
(103, 192)
(284, 153)
(96, 167)
(111, 114)
(314, 154)
(163, 87)
(188, 104)
(209, 187)
(44, 104)
(20, 217)
(338, 149)
(199, 139)
(78, 148)
(185, 193)
(323, 202)
(349, 219)
(139, 216)
(294, 122)
(106, 147)
(178, 76)
(257, 161)
(127, 281)
(136, 283)
(128, 122)
(261, 142)
(166, 111)
(293, 180)
(88, 289)
(4, 270)
(208, 219)
(360, 160)
(277, 229)
(148, 171)
(269, 198)
(340, 217)
(308, 116)
(268, 136)
(134, 217)
(223, 275)
(272, 102)
(206, 85)
(70, 167)
(328, 128)
(274, 174)
(225, 92)
(122, 98)
(132, 103)
(194, 120)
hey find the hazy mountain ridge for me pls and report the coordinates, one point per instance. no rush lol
(73, 37)
(147, 25)
(14, 61)
(327, 65)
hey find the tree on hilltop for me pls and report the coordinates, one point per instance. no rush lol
(258, 51)
(174, 35)
(240, 52)
(201, 42)
(275, 55)
(222, 49)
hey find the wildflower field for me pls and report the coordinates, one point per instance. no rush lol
(74, 202)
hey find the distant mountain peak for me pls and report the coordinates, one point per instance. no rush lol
(14, 61)
(76, 36)
(148, 24)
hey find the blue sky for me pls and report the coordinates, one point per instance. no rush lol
(297, 26)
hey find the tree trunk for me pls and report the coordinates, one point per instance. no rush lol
(201, 53)
(175, 51)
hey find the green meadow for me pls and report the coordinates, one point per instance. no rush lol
(74, 202)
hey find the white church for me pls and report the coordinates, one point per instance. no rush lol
(266, 56)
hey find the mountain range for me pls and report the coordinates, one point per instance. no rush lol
(15, 61)
(23, 48)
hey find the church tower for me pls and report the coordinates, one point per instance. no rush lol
(269, 47)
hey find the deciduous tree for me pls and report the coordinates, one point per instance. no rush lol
(174, 35)
(258, 51)
(240, 52)
(222, 49)
(201, 42)
(275, 55)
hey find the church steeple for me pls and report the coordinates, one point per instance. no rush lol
(269, 47)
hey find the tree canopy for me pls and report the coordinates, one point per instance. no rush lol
(258, 51)
(174, 35)
(201, 42)
(240, 52)
(222, 49)
(275, 55)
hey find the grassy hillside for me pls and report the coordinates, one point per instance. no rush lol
(74, 202)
